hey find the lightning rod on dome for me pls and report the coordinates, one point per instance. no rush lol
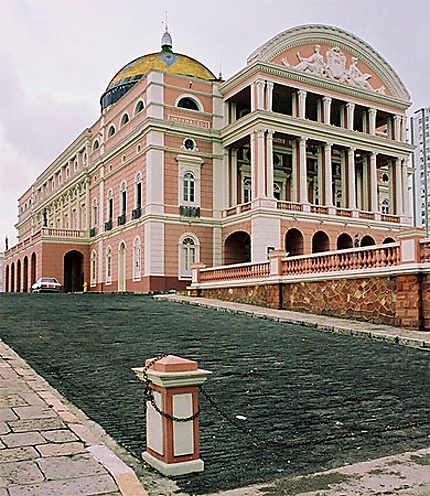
(166, 40)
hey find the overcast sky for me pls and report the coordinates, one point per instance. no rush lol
(57, 56)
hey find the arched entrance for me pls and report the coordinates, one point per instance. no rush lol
(32, 270)
(388, 240)
(367, 241)
(320, 242)
(122, 279)
(12, 278)
(237, 248)
(344, 241)
(7, 279)
(18, 276)
(73, 272)
(25, 275)
(294, 242)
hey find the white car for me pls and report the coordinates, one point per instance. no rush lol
(48, 284)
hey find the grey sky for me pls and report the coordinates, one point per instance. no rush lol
(57, 56)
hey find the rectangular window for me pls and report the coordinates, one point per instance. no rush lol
(191, 191)
(124, 202)
(139, 195)
(110, 208)
(185, 190)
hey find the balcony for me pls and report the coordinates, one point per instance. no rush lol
(93, 232)
(136, 213)
(186, 211)
(108, 225)
(121, 219)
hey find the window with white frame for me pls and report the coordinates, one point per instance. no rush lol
(246, 190)
(277, 190)
(188, 102)
(111, 131)
(123, 198)
(124, 119)
(110, 205)
(189, 180)
(94, 219)
(138, 190)
(139, 107)
(385, 207)
(109, 265)
(189, 253)
(189, 187)
(137, 258)
(93, 271)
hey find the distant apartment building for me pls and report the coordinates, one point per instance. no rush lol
(419, 132)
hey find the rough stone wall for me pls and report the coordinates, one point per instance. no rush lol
(425, 298)
(262, 295)
(408, 301)
(372, 300)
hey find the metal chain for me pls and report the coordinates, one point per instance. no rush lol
(265, 440)
(148, 394)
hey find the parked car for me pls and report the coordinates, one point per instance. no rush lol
(48, 284)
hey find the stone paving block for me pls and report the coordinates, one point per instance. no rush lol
(11, 401)
(52, 401)
(61, 449)
(14, 386)
(37, 383)
(34, 412)
(59, 436)
(33, 399)
(8, 373)
(66, 467)
(85, 434)
(17, 439)
(27, 372)
(36, 425)
(83, 486)
(7, 414)
(68, 417)
(20, 473)
(3, 492)
(2, 446)
(4, 429)
(18, 454)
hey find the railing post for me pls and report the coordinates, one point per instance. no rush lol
(276, 257)
(410, 246)
(172, 447)
(195, 272)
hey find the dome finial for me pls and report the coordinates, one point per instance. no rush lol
(166, 40)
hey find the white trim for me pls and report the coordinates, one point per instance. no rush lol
(137, 268)
(120, 267)
(108, 277)
(182, 272)
(121, 124)
(135, 112)
(93, 268)
(191, 97)
(114, 131)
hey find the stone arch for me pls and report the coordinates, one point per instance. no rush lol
(320, 242)
(367, 241)
(122, 267)
(32, 269)
(237, 248)
(25, 275)
(18, 276)
(294, 242)
(73, 271)
(12, 277)
(344, 241)
(388, 240)
(6, 283)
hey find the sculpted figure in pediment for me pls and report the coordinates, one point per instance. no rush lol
(313, 64)
(336, 65)
(356, 77)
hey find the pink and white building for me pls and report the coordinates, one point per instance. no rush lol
(304, 150)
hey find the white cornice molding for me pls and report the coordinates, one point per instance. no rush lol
(333, 36)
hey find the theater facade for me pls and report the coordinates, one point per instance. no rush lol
(304, 149)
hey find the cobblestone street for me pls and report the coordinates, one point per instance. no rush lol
(334, 399)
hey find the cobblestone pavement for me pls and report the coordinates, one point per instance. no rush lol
(328, 400)
(45, 447)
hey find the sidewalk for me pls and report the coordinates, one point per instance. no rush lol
(397, 335)
(48, 448)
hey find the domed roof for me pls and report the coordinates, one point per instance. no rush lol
(165, 60)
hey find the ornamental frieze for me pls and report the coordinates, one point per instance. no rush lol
(333, 68)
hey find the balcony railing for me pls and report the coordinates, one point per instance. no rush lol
(108, 225)
(121, 219)
(288, 205)
(235, 272)
(64, 233)
(93, 232)
(136, 213)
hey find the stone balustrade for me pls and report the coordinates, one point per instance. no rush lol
(235, 272)
(67, 233)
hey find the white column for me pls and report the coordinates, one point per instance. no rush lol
(302, 103)
(269, 162)
(253, 160)
(294, 112)
(403, 136)
(269, 95)
(350, 115)
(233, 111)
(261, 84)
(372, 121)
(397, 122)
(261, 164)
(234, 176)
(294, 195)
(226, 188)
(405, 187)
(87, 202)
(398, 186)
(303, 171)
(351, 179)
(373, 184)
(328, 186)
(327, 109)
(226, 113)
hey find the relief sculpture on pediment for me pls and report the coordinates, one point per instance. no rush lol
(333, 68)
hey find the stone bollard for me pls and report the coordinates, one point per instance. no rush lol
(173, 447)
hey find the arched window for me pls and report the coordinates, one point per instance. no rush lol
(124, 119)
(94, 219)
(294, 242)
(139, 107)
(110, 205)
(246, 190)
(344, 241)
(123, 198)
(388, 240)
(93, 268)
(188, 103)
(137, 257)
(367, 241)
(109, 265)
(7, 279)
(111, 131)
(320, 242)
(189, 253)
(138, 191)
(385, 207)
(189, 187)
(277, 191)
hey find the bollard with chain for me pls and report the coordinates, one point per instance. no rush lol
(172, 429)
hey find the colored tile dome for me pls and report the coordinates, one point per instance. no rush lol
(166, 60)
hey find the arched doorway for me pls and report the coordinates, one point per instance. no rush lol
(18, 276)
(367, 241)
(73, 272)
(344, 241)
(6, 283)
(32, 270)
(320, 242)
(388, 240)
(237, 248)
(12, 278)
(122, 279)
(25, 275)
(294, 242)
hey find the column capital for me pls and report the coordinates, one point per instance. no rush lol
(373, 154)
(260, 132)
(302, 139)
(350, 105)
(352, 149)
(270, 133)
(270, 84)
(372, 111)
(327, 99)
(328, 145)
(397, 117)
(260, 82)
(302, 92)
